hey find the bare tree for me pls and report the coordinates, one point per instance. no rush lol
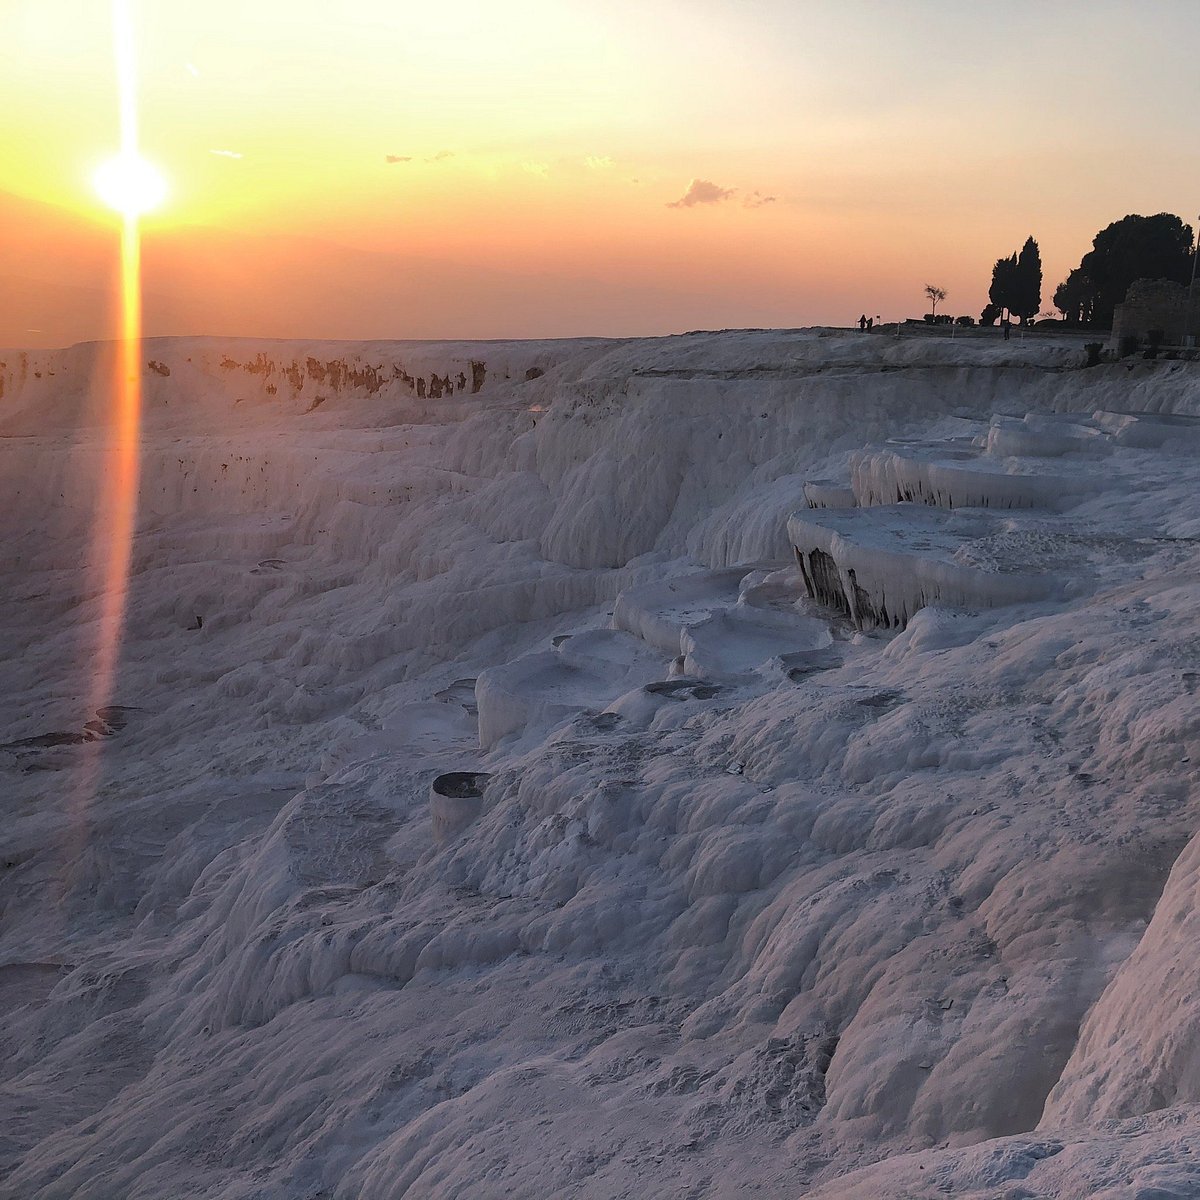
(936, 296)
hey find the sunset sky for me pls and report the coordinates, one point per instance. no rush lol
(395, 168)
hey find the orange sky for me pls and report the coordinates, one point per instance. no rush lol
(847, 154)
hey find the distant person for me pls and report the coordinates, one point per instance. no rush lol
(862, 321)
(1006, 325)
(870, 324)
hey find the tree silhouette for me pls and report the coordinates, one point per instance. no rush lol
(936, 296)
(1017, 282)
(1135, 247)
(1026, 299)
(1004, 275)
(1075, 298)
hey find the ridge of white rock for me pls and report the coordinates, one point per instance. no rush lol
(1036, 437)
(1151, 429)
(486, 807)
(950, 477)
(878, 559)
(584, 670)
(879, 565)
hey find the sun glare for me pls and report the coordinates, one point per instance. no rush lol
(130, 184)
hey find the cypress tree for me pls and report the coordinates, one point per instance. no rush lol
(1017, 282)
(1027, 282)
(1001, 293)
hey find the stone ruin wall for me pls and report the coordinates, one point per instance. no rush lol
(1155, 304)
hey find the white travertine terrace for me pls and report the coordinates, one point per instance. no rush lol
(485, 807)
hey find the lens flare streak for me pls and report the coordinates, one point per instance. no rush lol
(116, 510)
(121, 478)
(115, 534)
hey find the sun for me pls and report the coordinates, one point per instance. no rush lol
(130, 184)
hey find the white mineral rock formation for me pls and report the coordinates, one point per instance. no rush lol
(489, 803)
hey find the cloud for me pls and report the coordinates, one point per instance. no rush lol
(541, 170)
(702, 191)
(598, 164)
(193, 70)
(440, 156)
(226, 153)
(756, 199)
